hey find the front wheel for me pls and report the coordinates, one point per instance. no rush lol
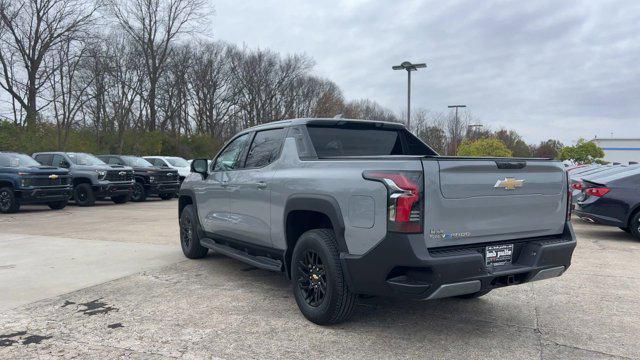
(167, 196)
(319, 284)
(139, 193)
(83, 195)
(189, 240)
(9, 203)
(58, 205)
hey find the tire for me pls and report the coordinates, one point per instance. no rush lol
(625, 229)
(139, 194)
(315, 266)
(58, 205)
(634, 225)
(167, 196)
(189, 239)
(474, 295)
(83, 195)
(121, 199)
(9, 203)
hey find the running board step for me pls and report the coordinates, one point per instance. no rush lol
(260, 262)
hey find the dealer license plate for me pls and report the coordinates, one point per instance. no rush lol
(496, 255)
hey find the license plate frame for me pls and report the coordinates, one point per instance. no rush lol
(498, 255)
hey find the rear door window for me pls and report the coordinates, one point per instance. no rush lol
(265, 148)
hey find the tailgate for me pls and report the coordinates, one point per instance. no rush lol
(483, 200)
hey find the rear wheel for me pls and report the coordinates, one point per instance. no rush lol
(167, 196)
(319, 284)
(83, 195)
(58, 205)
(121, 199)
(189, 239)
(139, 193)
(634, 225)
(9, 203)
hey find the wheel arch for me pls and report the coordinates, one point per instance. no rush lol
(305, 212)
(81, 180)
(7, 183)
(634, 210)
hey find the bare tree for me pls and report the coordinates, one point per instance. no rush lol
(30, 29)
(69, 88)
(368, 110)
(155, 26)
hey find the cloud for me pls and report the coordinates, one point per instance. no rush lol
(546, 68)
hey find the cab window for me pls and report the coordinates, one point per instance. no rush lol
(265, 148)
(59, 161)
(115, 161)
(230, 158)
(44, 159)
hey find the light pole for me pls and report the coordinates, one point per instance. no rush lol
(409, 67)
(456, 107)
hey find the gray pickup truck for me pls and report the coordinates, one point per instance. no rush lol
(346, 207)
(92, 178)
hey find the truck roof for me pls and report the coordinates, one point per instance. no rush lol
(320, 121)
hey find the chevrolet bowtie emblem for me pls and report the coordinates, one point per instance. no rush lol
(122, 173)
(509, 183)
(53, 176)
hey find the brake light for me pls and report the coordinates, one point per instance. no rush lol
(597, 191)
(404, 198)
(576, 186)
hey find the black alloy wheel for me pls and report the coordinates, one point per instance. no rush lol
(312, 279)
(186, 231)
(8, 201)
(189, 240)
(139, 193)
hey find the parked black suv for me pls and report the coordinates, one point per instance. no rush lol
(150, 180)
(25, 181)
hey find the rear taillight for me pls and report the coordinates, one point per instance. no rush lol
(576, 186)
(597, 191)
(404, 198)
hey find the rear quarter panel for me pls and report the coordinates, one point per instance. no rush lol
(342, 180)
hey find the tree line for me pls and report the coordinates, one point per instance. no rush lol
(144, 77)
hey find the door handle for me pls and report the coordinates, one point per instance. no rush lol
(262, 185)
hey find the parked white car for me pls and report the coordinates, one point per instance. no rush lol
(173, 162)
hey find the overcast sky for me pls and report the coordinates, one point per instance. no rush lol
(548, 69)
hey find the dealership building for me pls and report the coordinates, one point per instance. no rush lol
(619, 149)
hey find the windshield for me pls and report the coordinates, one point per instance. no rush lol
(17, 160)
(84, 159)
(136, 161)
(178, 162)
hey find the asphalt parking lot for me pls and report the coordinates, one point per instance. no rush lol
(111, 282)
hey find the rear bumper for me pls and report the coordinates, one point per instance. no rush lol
(597, 218)
(401, 265)
(44, 195)
(113, 189)
(163, 188)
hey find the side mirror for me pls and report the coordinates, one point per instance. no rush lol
(200, 166)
